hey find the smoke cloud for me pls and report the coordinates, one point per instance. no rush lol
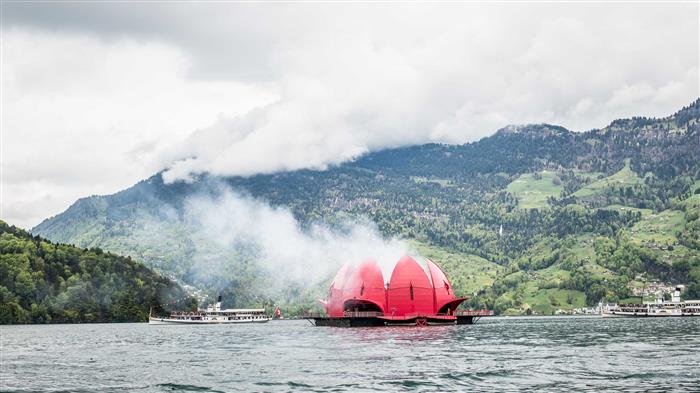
(236, 236)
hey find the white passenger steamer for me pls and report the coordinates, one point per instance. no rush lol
(212, 315)
(660, 308)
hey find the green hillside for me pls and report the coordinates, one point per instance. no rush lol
(533, 189)
(44, 282)
(583, 215)
(469, 273)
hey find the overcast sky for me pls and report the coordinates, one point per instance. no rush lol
(96, 97)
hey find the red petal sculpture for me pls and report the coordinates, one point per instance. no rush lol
(334, 305)
(445, 300)
(364, 290)
(410, 291)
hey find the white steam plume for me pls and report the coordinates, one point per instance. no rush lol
(228, 228)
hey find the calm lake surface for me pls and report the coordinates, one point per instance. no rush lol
(497, 354)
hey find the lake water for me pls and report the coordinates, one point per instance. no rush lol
(497, 354)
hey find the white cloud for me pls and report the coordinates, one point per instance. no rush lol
(82, 116)
(453, 79)
(100, 101)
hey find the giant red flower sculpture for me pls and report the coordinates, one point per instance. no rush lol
(410, 290)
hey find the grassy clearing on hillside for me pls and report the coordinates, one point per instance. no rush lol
(555, 272)
(658, 228)
(593, 142)
(622, 209)
(545, 301)
(583, 247)
(658, 231)
(593, 176)
(626, 177)
(421, 180)
(693, 202)
(532, 193)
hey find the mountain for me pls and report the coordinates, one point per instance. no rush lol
(42, 282)
(586, 216)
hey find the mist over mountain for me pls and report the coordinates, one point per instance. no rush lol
(534, 217)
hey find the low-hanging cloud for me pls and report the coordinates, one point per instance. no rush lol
(97, 96)
(351, 89)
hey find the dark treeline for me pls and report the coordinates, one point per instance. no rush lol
(44, 282)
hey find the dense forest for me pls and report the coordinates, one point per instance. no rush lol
(45, 282)
(531, 219)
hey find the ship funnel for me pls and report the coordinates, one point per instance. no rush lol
(217, 305)
(676, 298)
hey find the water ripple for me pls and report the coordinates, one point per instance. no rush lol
(498, 354)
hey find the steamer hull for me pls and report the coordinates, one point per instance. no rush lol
(171, 321)
(365, 319)
(212, 315)
(659, 309)
(620, 314)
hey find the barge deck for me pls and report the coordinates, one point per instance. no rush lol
(374, 319)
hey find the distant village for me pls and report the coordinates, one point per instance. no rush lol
(655, 290)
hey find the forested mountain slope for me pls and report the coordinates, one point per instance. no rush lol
(43, 282)
(583, 214)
